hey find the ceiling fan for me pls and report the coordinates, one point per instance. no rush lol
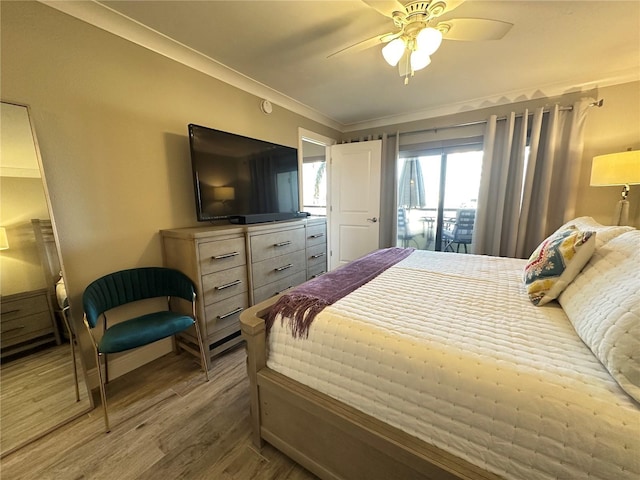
(418, 33)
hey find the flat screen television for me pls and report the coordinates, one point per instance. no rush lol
(242, 179)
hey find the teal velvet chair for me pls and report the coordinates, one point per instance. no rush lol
(128, 286)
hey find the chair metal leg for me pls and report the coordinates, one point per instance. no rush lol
(202, 352)
(73, 351)
(103, 394)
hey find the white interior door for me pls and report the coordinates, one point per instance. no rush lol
(354, 192)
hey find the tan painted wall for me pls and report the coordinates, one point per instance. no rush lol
(111, 119)
(612, 128)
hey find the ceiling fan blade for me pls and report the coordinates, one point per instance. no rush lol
(386, 7)
(475, 29)
(364, 44)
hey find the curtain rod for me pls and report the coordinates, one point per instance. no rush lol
(598, 103)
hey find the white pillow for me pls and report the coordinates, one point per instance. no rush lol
(603, 304)
(61, 294)
(604, 233)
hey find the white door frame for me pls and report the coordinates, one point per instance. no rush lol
(318, 139)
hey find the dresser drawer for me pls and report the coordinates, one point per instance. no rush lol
(25, 328)
(23, 307)
(224, 314)
(269, 245)
(222, 254)
(224, 284)
(316, 271)
(317, 255)
(276, 268)
(268, 291)
(316, 234)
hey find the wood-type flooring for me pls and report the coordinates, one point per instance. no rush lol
(167, 422)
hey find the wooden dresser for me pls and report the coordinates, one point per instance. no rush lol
(316, 246)
(234, 267)
(27, 321)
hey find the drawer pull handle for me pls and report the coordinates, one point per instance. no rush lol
(317, 235)
(284, 267)
(317, 275)
(289, 287)
(11, 311)
(318, 255)
(237, 310)
(282, 244)
(4, 332)
(230, 284)
(225, 255)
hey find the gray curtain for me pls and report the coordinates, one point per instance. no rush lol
(522, 200)
(388, 191)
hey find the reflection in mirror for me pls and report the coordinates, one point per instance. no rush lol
(314, 178)
(42, 383)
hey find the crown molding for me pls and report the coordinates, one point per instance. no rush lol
(107, 19)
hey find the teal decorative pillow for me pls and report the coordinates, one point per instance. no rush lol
(556, 262)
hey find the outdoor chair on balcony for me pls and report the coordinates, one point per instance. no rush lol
(459, 231)
(405, 235)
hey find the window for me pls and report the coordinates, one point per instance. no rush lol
(314, 188)
(434, 187)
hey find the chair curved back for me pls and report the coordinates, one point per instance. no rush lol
(131, 285)
(463, 229)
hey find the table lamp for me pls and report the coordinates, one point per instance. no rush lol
(621, 168)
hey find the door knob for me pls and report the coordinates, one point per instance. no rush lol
(372, 220)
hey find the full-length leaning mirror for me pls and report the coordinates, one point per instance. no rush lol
(42, 381)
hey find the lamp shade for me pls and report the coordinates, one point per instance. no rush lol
(429, 40)
(621, 168)
(419, 60)
(4, 243)
(393, 51)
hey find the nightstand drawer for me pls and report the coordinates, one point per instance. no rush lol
(23, 307)
(274, 244)
(25, 328)
(224, 284)
(221, 255)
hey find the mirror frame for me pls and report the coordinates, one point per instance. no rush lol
(83, 372)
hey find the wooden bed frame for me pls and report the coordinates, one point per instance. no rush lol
(328, 437)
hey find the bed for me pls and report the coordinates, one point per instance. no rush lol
(443, 367)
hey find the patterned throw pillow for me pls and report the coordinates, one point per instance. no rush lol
(556, 262)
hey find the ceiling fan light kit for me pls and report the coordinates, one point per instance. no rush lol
(419, 35)
(393, 51)
(429, 40)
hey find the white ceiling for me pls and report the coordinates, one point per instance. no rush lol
(278, 50)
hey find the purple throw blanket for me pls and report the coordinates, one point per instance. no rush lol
(301, 305)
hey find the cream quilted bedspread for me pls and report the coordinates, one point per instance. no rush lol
(448, 348)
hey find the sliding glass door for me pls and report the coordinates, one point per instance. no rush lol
(437, 197)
